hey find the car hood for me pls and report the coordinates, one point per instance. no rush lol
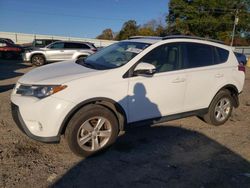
(57, 73)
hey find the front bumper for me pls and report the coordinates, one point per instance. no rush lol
(26, 57)
(21, 125)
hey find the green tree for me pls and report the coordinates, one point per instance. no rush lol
(107, 34)
(129, 29)
(208, 18)
(152, 28)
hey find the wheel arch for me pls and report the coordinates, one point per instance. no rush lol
(112, 105)
(234, 93)
(38, 53)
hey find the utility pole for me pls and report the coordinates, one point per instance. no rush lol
(236, 20)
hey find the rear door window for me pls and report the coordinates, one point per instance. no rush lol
(199, 55)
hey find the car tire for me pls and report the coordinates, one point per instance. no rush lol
(38, 60)
(92, 129)
(220, 108)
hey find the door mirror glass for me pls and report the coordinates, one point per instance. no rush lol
(144, 69)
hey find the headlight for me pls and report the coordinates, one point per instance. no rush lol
(39, 91)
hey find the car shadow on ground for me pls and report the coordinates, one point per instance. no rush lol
(4, 88)
(8, 68)
(160, 156)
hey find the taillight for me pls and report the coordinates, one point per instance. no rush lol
(94, 50)
(241, 67)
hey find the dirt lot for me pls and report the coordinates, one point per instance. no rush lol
(181, 153)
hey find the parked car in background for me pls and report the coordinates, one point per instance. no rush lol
(142, 80)
(59, 51)
(8, 40)
(9, 50)
(241, 58)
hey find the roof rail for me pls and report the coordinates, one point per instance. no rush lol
(145, 37)
(176, 37)
(190, 37)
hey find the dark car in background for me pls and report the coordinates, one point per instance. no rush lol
(7, 40)
(9, 50)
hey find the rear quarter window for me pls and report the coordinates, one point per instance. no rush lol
(221, 55)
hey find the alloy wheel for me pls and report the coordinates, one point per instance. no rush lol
(94, 133)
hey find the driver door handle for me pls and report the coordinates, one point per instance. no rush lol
(179, 80)
(219, 75)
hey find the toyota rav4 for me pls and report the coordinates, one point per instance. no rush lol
(143, 79)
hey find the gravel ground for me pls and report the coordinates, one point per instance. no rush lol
(181, 153)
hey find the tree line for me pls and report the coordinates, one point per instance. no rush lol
(204, 18)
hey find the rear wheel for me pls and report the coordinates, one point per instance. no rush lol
(92, 129)
(38, 60)
(220, 109)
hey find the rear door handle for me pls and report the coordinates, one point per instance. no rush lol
(219, 75)
(178, 80)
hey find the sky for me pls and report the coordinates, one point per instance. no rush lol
(76, 18)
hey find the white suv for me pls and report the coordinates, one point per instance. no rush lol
(58, 51)
(137, 80)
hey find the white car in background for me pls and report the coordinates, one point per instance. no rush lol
(138, 80)
(59, 51)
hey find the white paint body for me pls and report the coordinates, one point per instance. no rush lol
(168, 92)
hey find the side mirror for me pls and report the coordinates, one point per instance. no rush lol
(144, 69)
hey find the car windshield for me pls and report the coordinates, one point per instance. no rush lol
(114, 56)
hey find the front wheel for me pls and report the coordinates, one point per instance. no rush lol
(92, 129)
(220, 109)
(38, 60)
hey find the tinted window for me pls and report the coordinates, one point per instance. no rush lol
(167, 57)
(47, 42)
(58, 45)
(39, 43)
(72, 45)
(84, 46)
(199, 55)
(221, 54)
